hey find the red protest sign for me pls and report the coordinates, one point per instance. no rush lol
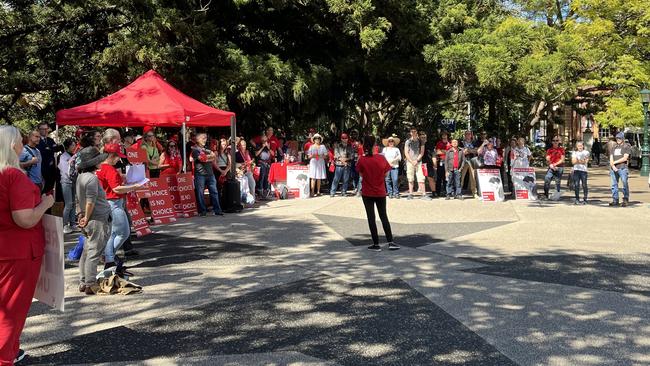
(162, 207)
(138, 220)
(186, 193)
(172, 182)
(136, 155)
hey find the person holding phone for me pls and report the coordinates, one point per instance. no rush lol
(22, 242)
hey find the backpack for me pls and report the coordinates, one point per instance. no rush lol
(72, 169)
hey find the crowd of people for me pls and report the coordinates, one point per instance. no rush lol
(89, 171)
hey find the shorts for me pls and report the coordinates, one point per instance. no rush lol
(414, 170)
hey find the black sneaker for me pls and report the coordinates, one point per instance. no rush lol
(20, 356)
(218, 213)
(625, 203)
(375, 248)
(613, 204)
(392, 246)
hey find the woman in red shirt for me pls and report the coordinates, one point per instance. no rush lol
(171, 161)
(22, 243)
(373, 169)
(112, 183)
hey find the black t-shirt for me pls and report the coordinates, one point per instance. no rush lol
(201, 168)
(429, 153)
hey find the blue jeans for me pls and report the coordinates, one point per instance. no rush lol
(550, 175)
(202, 181)
(453, 183)
(340, 171)
(392, 186)
(622, 174)
(580, 179)
(265, 168)
(120, 229)
(69, 211)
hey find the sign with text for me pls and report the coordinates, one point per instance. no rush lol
(186, 193)
(50, 288)
(489, 180)
(136, 155)
(138, 220)
(524, 182)
(298, 180)
(172, 182)
(162, 207)
(448, 124)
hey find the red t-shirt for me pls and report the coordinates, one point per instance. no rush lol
(274, 143)
(373, 170)
(17, 192)
(307, 146)
(109, 178)
(444, 146)
(556, 153)
(175, 164)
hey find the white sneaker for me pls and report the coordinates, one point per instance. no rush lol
(67, 229)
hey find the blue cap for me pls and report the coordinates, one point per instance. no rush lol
(620, 135)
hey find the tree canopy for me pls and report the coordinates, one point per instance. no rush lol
(375, 65)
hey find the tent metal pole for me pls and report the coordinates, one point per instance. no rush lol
(233, 151)
(183, 144)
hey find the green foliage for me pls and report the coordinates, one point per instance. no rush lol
(376, 65)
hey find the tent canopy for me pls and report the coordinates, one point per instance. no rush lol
(148, 101)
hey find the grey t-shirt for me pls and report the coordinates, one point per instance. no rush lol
(618, 151)
(581, 155)
(413, 148)
(89, 190)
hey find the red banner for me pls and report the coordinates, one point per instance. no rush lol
(172, 182)
(186, 193)
(138, 220)
(162, 207)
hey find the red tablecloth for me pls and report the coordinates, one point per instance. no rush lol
(278, 172)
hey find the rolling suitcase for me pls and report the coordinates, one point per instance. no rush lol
(231, 196)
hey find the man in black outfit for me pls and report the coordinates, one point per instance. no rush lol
(47, 147)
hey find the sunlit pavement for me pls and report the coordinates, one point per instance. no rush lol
(291, 283)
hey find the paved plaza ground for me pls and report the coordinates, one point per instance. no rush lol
(292, 283)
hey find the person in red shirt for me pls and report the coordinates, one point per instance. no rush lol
(441, 151)
(454, 161)
(373, 169)
(555, 160)
(22, 243)
(273, 141)
(171, 162)
(112, 183)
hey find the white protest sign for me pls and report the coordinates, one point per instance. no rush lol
(489, 180)
(50, 288)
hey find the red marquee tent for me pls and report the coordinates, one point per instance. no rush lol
(148, 101)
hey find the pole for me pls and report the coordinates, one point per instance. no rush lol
(233, 151)
(645, 149)
(183, 144)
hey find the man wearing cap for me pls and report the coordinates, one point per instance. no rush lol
(413, 153)
(113, 185)
(555, 160)
(343, 155)
(94, 214)
(619, 155)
